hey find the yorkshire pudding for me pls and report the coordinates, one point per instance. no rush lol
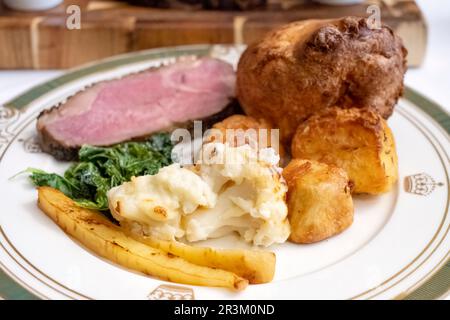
(306, 66)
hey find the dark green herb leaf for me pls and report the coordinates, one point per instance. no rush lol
(101, 168)
(41, 178)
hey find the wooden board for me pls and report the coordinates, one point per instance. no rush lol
(41, 40)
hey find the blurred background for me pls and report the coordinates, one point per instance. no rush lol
(39, 39)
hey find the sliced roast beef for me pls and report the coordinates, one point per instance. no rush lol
(138, 105)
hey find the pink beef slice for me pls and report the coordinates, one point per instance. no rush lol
(137, 105)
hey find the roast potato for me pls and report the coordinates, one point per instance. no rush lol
(309, 65)
(246, 130)
(357, 140)
(319, 200)
(106, 239)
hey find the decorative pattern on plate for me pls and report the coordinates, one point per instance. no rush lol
(31, 144)
(420, 184)
(8, 116)
(168, 292)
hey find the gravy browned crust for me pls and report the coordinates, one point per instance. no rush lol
(310, 65)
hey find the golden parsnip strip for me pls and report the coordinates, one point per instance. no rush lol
(109, 241)
(255, 266)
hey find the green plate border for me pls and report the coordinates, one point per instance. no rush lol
(11, 290)
(437, 286)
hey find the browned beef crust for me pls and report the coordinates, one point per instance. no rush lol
(63, 152)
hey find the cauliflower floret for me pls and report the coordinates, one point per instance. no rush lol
(155, 204)
(228, 190)
(251, 196)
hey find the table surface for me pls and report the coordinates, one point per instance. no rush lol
(432, 79)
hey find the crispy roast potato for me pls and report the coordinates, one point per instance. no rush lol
(357, 140)
(106, 239)
(247, 130)
(255, 266)
(319, 200)
(309, 65)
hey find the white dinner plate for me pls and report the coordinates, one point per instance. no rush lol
(397, 247)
